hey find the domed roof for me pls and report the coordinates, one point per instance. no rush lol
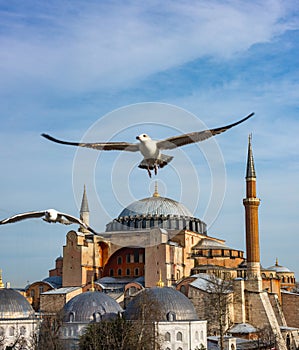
(156, 212)
(278, 268)
(14, 305)
(208, 243)
(90, 306)
(171, 305)
(155, 206)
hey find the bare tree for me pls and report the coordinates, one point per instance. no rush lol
(218, 301)
(49, 332)
(115, 333)
(266, 338)
(138, 333)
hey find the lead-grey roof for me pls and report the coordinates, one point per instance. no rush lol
(84, 306)
(242, 328)
(14, 305)
(156, 206)
(168, 300)
(54, 281)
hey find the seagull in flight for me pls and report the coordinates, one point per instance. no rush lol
(49, 215)
(151, 149)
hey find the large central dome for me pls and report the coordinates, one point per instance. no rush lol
(155, 206)
(156, 211)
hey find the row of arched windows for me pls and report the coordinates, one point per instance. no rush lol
(12, 331)
(128, 272)
(179, 336)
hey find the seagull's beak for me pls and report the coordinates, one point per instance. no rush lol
(137, 138)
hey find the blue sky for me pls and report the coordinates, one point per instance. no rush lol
(93, 69)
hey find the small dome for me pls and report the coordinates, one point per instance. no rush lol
(171, 305)
(155, 206)
(14, 305)
(210, 244)
(90, 306)
(278, 268)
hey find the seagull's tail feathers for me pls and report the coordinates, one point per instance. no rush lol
(160, 162)
(164, 160)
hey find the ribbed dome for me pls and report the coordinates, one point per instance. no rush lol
(90, 306)
(172, 304)
(278, 268)
(155, 206)
(156, 211)
(14, 305)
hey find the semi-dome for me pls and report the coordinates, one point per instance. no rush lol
(90, 306)
(171, 305)
(156, 211)
(14, 305)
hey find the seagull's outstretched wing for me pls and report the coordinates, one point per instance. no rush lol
(23, 216)
(105, 146)
(185, 139)
(75, 220)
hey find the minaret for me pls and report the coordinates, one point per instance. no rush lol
(251, 203)
(1, 282)
(84, 211)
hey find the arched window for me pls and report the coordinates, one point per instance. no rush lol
(201, 334)
(128, 272)
(111, 272)
(119, 272)
(179, 348)
(179, 336)
(136, 271)
(119, 260)
(288, 342)
(71, 317)
(232, 347)
(171, 316)
(97, 317)
(23, 330)
(2, 331)
(183, 289)
(11, 331)
(196, 336)
(167, 336)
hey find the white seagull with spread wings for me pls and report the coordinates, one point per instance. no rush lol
(151, 149)
(49, 215)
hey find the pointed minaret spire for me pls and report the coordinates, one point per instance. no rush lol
(251, 204)
(250, 172)
(84, 211)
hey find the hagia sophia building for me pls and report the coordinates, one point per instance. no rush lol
(157, 245)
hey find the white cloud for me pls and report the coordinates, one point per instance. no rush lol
(112, 46)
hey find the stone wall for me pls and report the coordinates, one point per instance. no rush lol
(290, 307)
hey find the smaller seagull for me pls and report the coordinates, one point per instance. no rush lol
(49, 215)
(151, 149)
